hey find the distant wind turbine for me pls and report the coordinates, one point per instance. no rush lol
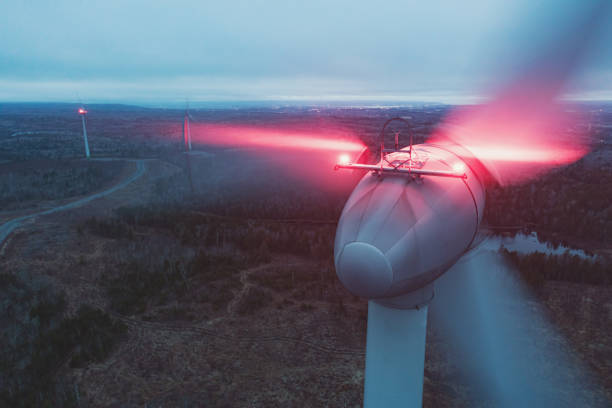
(83, 112)
(187, 130)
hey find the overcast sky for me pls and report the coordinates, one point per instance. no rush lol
(165, 51)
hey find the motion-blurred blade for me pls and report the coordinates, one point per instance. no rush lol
(244, 136)
(501, 341)
(301, 155)
(524, 129)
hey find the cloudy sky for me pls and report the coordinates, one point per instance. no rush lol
(167, 51)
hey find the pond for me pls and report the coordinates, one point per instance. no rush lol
(530, 243)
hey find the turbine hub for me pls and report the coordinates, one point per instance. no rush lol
(364, 270)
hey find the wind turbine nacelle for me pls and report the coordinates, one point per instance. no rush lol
(410, 218)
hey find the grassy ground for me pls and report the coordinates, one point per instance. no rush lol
(28, 184)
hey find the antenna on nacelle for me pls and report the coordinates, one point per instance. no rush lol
(402, 160)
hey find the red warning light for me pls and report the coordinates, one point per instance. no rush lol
(82, 111)
(459, 167)
(344, 159)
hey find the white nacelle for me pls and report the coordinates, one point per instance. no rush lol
(398, 233)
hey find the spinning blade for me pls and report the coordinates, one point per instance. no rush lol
(298, 153)
(500, 339)
(524, 129)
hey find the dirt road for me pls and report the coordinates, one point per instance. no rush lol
(8, 227)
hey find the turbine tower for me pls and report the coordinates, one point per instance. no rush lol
(83, 113)
(410, 218)
(187, 131)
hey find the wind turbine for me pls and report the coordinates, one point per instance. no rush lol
(83, 113)
(416, 211)
(411, 217)
(187, 130)
(187, 144)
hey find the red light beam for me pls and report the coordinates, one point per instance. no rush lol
(250, 136)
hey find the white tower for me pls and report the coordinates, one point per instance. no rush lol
(83, 113)
(187, 132)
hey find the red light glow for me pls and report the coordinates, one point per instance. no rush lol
(303, 152)
(459, 167)
(518, 135)
(82, 111)
(344, 159)
(520, 154)
(249, 136)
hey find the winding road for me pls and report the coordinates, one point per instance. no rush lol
(8, 227)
